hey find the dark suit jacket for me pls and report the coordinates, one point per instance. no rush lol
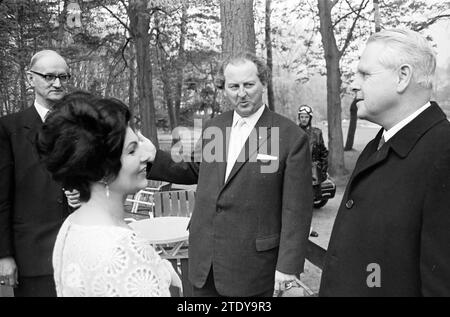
(32, 205)
(256, 222)
(396, 213)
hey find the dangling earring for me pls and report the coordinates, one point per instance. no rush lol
(106, 188)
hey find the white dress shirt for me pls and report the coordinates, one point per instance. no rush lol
(42, 111)
(392, 131)
(240, 130)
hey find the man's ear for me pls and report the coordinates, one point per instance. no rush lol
(265, 87)
(405, 73)
(30, 79)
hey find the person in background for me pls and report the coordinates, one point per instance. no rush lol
(32, 205)
(319, 152)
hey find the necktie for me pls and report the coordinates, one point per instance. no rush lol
(237, 141)
(382, 141)
(47, 114)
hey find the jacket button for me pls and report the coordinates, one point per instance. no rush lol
(349, 204)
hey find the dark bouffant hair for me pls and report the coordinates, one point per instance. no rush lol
(82, 139)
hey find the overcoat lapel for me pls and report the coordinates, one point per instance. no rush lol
(401, 143)
(372, 157)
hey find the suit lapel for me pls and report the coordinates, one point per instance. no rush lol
(225, 126)
(32, 122)
(252, 144)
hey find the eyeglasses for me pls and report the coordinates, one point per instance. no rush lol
(50, 78)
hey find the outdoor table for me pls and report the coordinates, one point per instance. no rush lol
(166, 234)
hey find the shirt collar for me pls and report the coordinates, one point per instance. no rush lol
(250, 120)
(392, 131)
(42, 111)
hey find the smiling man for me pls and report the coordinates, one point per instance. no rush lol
(32, 205)
(249, 228)
(391, 233)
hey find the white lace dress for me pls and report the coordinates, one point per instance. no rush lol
(107, 261)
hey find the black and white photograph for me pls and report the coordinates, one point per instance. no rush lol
(235, 150)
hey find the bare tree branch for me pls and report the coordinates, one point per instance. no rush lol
(341, 18)
(352, 11)
(333, 3)
(424, 25)
(123, 53)
(116, 17)
(362, 6)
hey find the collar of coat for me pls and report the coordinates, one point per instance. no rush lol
(405, 139)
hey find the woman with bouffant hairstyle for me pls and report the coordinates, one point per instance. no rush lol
(87, 144)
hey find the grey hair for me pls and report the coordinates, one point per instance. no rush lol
(36, 57)
(407, 47)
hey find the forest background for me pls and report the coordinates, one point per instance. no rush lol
(161, 57)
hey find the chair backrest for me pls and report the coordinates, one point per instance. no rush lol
(142, 202)
(174, 203)
(153, 185)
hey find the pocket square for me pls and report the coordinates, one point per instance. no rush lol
(266, 157)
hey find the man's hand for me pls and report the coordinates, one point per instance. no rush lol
(283, 282)
(73, 198)
(147, 145)
(8, 272)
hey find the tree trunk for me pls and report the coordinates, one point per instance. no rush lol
(376, 7)
(270, 94)
(139, 22)
(352, 126)
(332, 58)
(109, 80)
(237, 27)
(173, 122)
(21, 56)
(164, 63)
(131, 83)
(61, 21)
(180, 63)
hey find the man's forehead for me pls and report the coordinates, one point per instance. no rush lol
(241, 69)
(51, 62)
(371, 53)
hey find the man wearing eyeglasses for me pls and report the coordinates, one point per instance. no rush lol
(32, 205)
